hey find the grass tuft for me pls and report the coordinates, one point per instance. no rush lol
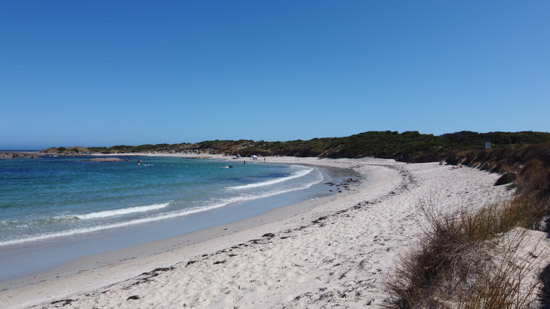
(454, 266)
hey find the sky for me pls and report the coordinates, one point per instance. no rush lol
(103, 73)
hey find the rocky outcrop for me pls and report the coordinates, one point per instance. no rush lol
(19, 155)
(66, 151)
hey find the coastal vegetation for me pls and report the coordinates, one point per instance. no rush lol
(78, 150)
(472, 259)
(410, 146)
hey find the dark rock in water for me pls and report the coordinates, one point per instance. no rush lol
(268, 235)
(18, 155)
(6, 156)
(506, 178)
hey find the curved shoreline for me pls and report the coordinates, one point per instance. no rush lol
(147, 249)
(289, 256)
(56, 250)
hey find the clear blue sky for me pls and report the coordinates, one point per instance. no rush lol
(134, 72)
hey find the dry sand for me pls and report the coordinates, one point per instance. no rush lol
(332, 252)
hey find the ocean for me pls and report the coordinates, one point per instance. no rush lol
(53, 203)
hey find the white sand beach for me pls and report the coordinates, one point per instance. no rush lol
(330, 252)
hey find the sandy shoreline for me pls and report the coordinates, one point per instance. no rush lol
(333, 251)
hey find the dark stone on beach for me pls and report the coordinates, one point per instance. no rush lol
(348, 181)
(269, 235)
(219, 262)
(155, 272)
(64, 302)
(190, 263)
(133, 297)
(319, 219)
(452, 159)
(505, 179)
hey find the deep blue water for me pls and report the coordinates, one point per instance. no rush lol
(58, 197)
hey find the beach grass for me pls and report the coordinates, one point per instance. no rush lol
(472, 259)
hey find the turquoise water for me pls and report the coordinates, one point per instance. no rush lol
(50, 198)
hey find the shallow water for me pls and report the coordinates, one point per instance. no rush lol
(53, 210)
(53, 197)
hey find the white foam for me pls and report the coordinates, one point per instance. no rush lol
(294, 175)
(123, 211)
(217, 204)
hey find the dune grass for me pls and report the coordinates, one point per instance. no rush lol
(454, 265)
(469, 259)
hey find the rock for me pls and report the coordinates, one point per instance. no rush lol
(452, 159)
(66, 151)
(19, 155)
(506, 178)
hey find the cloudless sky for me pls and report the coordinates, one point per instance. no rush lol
(101, 73)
